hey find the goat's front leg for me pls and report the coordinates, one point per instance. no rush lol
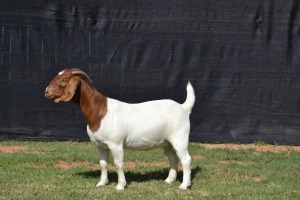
(118, 154)
(103, 163)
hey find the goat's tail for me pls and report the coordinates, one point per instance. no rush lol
(190, 98)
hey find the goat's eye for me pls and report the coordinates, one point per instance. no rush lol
(64, 82)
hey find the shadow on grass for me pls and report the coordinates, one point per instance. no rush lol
(144, 176)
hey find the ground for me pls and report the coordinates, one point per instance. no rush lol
(130, 165)
(12, 149)
(258, 148)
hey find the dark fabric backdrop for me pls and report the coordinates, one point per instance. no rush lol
(242, 57)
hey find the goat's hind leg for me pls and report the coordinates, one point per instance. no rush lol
(173, 160)
(180, 147)
(103, 163)
(185, 159)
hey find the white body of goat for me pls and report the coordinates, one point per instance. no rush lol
(144, 126)
(140, 126)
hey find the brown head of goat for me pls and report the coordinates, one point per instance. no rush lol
(75, 85)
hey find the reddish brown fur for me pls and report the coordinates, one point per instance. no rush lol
(93, 105)
(71, 87)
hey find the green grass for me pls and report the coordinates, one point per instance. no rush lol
(34, 173)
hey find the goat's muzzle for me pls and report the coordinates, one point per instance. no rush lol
(49, 94)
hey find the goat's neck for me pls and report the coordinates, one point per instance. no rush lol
(93, 105)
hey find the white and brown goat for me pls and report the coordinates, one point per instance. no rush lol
(114, 125)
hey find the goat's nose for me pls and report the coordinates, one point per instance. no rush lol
(47, 94)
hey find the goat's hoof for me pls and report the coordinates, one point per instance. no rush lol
(102, 183)
(170, 180)
(120, 187)
(184, 186)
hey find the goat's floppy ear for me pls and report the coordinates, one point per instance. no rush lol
(69, 90)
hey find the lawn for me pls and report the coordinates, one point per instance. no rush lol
(70, 170)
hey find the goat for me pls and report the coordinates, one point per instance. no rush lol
(114, 125)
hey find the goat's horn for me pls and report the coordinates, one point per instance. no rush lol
(76, 71)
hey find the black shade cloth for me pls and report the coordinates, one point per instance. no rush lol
(242, 57)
